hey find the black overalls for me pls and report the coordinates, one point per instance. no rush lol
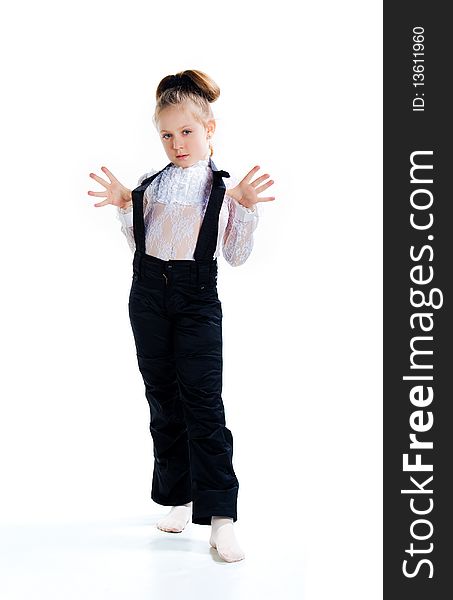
(176, 319)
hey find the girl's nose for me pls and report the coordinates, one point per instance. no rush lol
(176, 143)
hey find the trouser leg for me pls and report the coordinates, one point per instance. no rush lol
(198, 353)
(153, 334)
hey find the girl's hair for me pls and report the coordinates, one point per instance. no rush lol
(191, 87)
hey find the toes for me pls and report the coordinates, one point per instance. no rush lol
(231, 557)
(169, 528)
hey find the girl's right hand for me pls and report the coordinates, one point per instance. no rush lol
(115, 192)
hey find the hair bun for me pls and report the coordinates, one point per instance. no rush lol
(190, 80)
(182, 82)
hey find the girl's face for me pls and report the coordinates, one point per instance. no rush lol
(185, 140)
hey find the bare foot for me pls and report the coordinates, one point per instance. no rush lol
(223, 539)
(177, 518)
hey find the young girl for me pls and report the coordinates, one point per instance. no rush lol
(176, 221)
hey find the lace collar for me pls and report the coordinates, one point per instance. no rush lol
(182, 185)
(203, 163)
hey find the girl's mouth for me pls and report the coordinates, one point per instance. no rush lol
(182, 156)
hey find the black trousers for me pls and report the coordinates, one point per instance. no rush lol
(176, 319)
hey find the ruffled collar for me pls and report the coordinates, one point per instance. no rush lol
(200, 164)
(182, 185)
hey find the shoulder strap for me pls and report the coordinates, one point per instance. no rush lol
(137, 210)
(207, 236)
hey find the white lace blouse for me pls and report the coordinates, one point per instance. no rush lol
(174, 207)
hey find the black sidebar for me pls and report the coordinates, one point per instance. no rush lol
(418, 272)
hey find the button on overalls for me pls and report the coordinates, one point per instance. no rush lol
(176, 319)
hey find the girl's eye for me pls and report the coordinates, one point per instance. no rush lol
(165, 134)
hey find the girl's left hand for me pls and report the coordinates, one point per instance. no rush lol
(246, 192)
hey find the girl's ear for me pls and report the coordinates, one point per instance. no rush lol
(210, 127)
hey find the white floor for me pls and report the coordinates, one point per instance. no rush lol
(129, 558)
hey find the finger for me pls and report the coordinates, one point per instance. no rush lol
(264, 187)
(102, 203)
(250, 174)
(260, 179)
(109, 174)
(266, 199)
(99, 180)
(102, 194)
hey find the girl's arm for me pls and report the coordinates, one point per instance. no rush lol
(238, 236)
(125, 215)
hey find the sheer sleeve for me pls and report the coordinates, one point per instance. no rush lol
(238, 236)
(125, 216)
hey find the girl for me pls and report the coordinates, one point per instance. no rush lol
(176, 221)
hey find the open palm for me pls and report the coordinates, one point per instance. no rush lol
(246, 192)
(115, 192)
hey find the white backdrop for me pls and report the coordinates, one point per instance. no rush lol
(301, 96)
